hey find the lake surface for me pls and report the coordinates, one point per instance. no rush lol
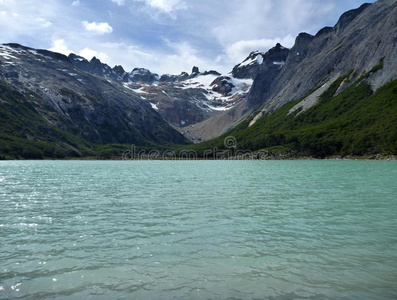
(198, 230)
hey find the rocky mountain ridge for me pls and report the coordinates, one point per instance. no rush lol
(184, 99)
(363, 40)
(89, 97)
(59, 98)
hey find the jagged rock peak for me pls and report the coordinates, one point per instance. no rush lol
(195, 70)
(118, 69)
(95, 60)
(73, 56)
(142, 75)
(302, 42)
(276, 50)
(250, 67)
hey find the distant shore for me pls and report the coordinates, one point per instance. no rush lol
(378, 157)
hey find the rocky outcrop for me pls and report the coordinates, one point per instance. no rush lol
(96, 67)
(141, 75)
(222, 85)
(174, 78)
(249, 67)
(195, 72)
(269, 71)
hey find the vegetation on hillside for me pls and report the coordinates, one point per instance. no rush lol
(354, 122)
(25, 134)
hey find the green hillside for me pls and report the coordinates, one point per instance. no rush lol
(355, 122)
(25, 134)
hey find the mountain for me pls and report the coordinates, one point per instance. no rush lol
(182, 100)
(46, 102)
(334, 93)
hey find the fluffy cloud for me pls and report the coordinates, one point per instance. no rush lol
(43, 22)
(183, 57)
(238, 51)
(60, 47)
(97, 28)
(206, 33)
(119, 2)
(90, 53)
(167, 5)
(180, 56)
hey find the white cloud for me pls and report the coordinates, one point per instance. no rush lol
(90, 53)
(183, 58)
(180, 56)
(209, 34)
(60, 47)
(119, 2)
(97, 28)
(238, 51)
(167, 5)
(43, 22)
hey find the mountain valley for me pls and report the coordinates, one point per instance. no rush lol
(333, 93)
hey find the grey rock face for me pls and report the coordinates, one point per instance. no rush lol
(222, 85)
(273, 63)
(96, 67)
(361, 40)
(358, 42)
(141, 75)
(249, 67)
(174, 78)
(346, 18)
(195, 70)
(98, 110)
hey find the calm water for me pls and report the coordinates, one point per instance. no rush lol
(198, 230)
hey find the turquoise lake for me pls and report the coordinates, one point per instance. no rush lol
(198, 230)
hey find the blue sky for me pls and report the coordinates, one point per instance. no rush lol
(165, 36)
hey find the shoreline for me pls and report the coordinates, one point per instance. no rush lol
(379, 157)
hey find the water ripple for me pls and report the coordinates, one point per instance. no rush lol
(208, 230)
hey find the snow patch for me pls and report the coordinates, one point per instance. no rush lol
(7, 56)
(201, 81)
(38, 54)
(248, 62)
(217, 108)
(138, 91)
(154, 106)
(5, 52)
(258, 58)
